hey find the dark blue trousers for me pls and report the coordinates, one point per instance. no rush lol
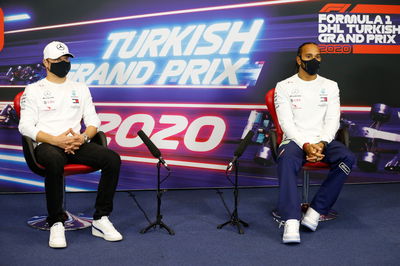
(290, 161)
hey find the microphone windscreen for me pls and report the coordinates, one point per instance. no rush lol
(150, 145)
(243, 144)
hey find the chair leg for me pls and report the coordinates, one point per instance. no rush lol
(306, 185)
(73, 222)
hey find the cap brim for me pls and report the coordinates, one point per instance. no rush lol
(54, 58)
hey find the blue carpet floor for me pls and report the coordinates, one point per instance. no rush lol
(367, 231)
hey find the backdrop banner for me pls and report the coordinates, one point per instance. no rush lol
(193, 76)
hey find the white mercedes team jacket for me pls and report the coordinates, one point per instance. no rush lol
(308, 111)
(54, 108)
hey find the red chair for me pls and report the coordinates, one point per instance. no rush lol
(73, 222)
(276, 135)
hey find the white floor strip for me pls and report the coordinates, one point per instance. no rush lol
(211, 166)
(12, 158)
(37, 183)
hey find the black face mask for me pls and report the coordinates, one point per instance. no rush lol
(60, 69)
(310, 66)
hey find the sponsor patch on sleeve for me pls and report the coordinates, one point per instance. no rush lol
(344, 168)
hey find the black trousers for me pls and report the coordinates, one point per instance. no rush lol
(54, 159)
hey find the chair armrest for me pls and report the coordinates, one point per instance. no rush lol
(29, 151)
(273, 141)
(100, 138)
(30, 158)
(343, 136)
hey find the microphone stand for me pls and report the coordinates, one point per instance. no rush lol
(234, 220)
(158, 221)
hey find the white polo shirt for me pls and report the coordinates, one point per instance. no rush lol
(54, 108)
(308, 111)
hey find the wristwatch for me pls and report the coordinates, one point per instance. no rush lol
(86, 138)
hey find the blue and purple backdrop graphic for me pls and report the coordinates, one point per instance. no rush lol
(193, 75)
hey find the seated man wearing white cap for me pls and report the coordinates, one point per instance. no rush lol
(51, 113)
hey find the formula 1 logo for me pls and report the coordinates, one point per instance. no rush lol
(1, 29)
(334, 7)
(344, 28)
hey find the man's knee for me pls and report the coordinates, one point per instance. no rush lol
(113, 158)
(346, 162)
(342, 154)
(289, 154)
(350, 158)
(347, 156)
(50, 157)
(289, 159)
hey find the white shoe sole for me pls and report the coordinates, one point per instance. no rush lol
(54, 245)
(310, 226)
(291, 240)
(97, 233)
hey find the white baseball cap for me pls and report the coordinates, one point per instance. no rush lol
(55, 49)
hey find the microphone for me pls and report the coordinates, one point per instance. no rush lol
(240, 149)
(152, 148)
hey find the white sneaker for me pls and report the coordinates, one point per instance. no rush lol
(57, 236)
(291, 233)
(311, 219)
(105, 229)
